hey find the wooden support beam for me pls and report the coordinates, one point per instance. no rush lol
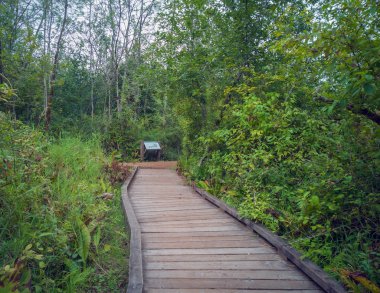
(135, 284)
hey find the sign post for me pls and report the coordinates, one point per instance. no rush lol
(150, 150)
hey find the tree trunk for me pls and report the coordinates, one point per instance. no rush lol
(45, 54)
(118, 100)
(91, 64)
(54, 71)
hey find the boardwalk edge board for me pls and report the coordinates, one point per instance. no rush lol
(135, 284)
(309, 268)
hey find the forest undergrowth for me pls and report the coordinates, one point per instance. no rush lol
(62, 227)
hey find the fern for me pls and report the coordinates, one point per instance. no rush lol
(96, 239)
(84, 240)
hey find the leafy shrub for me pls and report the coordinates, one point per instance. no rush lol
(303, 174)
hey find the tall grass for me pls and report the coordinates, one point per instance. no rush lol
(57, 233)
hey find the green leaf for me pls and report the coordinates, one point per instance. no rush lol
(96, 238)
(25, 278)
(314, 200)
(84, 240)
(107, 247)
(28, 247)
(369, 88)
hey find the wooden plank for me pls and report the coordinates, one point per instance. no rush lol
(221, 274)
(153, 237)
(156, 290)
(166, 201)
(180, 208)
(169, 191)
(203, 244)
(180, 220)
(209, 251)
(175, 206)
(172, 191)
(189, 223)
(161, 177)
(157, 196)
(135, 198)
(189, 229)
(163, 186)
(171, 217)
(150, 180)
(199, 233)
(212, 257)
(166, 189)
(172, 206)
(185, 217)
(164, 194)
(183, 213)
(185, 224)
(144, 188)
(220, 265)
(158, 177)
(229, 284)
(177, 212)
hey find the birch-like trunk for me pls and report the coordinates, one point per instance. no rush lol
(54, 71)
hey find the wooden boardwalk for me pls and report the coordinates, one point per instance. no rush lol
(190, 245)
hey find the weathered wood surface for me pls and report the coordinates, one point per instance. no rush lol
(135, 284)
(190, 245)
(283, 248)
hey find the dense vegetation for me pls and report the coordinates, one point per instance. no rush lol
(272, 106)
(57, 232)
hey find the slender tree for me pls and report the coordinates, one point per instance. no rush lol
(53, 75)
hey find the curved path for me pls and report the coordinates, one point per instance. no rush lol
(190, 245)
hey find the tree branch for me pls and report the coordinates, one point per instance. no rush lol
(350, 107)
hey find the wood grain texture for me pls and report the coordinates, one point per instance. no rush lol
(225, 274)
(156, 290)
(212, 257)
(135, 284)
(306, 266)
(189, 244)
(229, 283)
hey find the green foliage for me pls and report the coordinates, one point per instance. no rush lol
(51, 201)
(273, 105)
(302, 175)
(6, 92)
(121, 135)
(293, 145)
(83, 239)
